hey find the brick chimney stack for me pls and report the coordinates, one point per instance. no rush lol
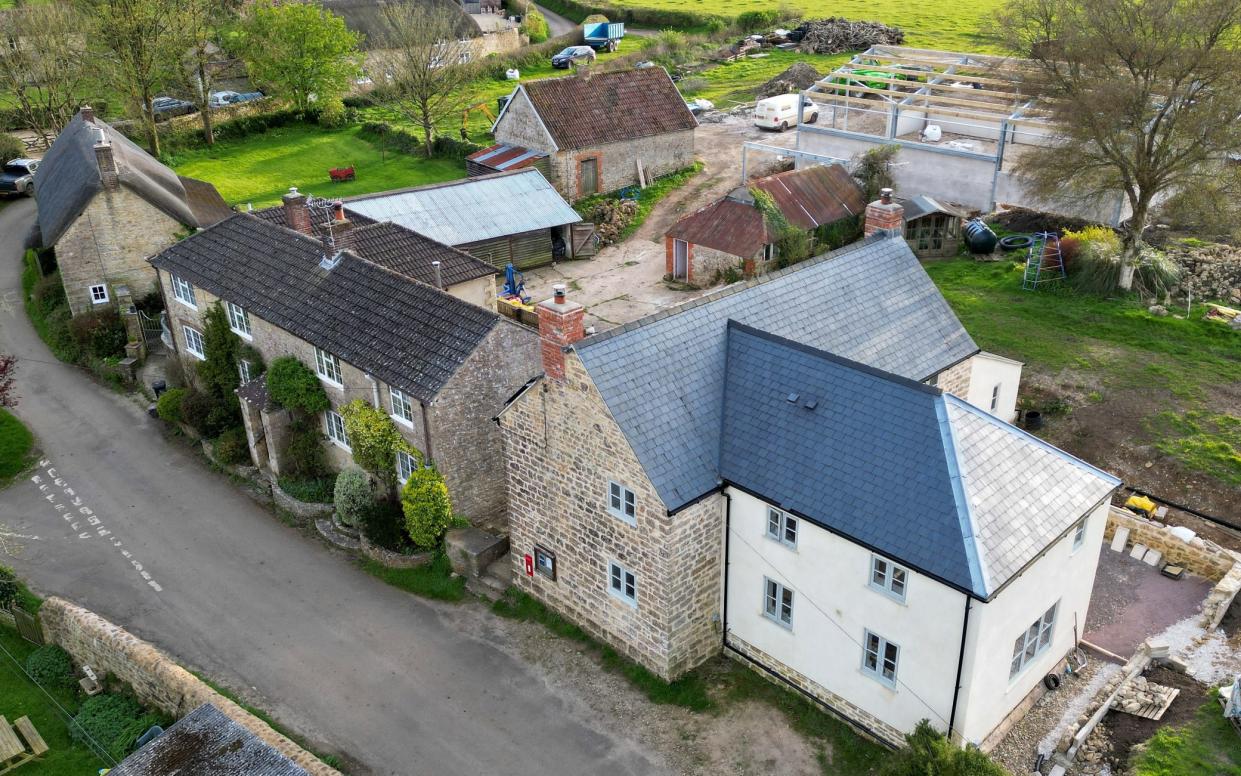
(108, 173)
(560, 325)
(885, 215)
(340, 228)
(296, 214)
(88, 113)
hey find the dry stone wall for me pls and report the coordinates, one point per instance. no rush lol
(156, 679)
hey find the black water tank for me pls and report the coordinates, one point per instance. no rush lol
(978, 236)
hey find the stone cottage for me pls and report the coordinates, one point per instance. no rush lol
(733, 233)
(107, 206)
(603, 131)
(789, 469)
(441, 366)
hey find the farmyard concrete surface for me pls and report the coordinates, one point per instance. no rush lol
(399, 684)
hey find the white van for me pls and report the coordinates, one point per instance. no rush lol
(780, 112)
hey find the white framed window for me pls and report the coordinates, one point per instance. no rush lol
(622, 503)
(184, 292)
(405, 465)
(334, 427)
(880, 658)
(1033, 641)
(99, 294)
(402, 410)
(782, 527)
(777, 603)
(327, 366)
(889, 578)
(995, 397)
(246, 370)
(194, 342)
(239, 320)
(1079, 535)
(623, 583)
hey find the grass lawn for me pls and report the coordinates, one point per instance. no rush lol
(1117, 346)
(730, 83)
(260, 168)
(1208, 746)
(434, 580)
(21, 697)
(16, 443)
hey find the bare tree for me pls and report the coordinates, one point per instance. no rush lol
(428, 63)
(140, 42)
(1143, 94)
(44, 66)
(202, 25)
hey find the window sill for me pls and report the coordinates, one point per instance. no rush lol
(99, 301)
(786, 626)
(623, 600)
(199, 356)
(884, 683)
(629, 521)
(341, 445)
(781, 542)
(243, 335)
(402, 421)
(184, 303)
(331, 382)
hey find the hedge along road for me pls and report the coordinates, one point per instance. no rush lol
(395, 683)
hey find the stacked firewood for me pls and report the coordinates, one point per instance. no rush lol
(834, 35)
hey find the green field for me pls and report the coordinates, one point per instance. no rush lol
(260, 168)
(15, 446)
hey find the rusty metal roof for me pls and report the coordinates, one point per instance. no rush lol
(734, 227)
(813, 196)
(503, 157)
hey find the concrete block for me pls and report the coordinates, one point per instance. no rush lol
(1120, 539)
(1157, 648)
(1184, 534)
(1152, 557)
(1138, 551)
(471, 550)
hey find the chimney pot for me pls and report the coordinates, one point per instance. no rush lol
(88, 113)
(560, 325)
(885, 196)
(559, 293)
(338, 210)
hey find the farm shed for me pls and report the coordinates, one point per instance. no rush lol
(732, 232)
(932, 229)
(511, 216)
(502, 158)
(601, 131)
(962, 123)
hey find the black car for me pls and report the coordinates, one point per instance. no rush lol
(167, 107)
(573, 54)
(17, 177)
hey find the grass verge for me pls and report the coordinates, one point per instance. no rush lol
(434, 580)
(16, 448)
(1208, 746)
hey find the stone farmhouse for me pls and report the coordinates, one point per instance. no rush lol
(359, 312)
(107, 206)
(790, 469)
(733, 233)
(602, 131)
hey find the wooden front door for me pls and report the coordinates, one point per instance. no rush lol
(588, 179)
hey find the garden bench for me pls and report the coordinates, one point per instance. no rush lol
(13, 753)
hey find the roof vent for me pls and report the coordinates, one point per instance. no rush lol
(792, 398)
(810, 403)
(330, 263)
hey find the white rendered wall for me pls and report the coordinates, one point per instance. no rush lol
(988, 370)
(826, 645)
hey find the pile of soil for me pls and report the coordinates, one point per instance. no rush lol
(1125, 731)
(834, 35)
(798, 77)
(1025, 221)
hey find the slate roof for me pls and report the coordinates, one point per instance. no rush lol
(206, 741)
(585, 112)
(403, 332)
(68, 179)
(915, 474)
(662, 376)
(472, 209)
(397, 248)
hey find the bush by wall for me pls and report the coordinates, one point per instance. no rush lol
(383, 522)
(427, 508)
(352, 495)
(929, 752)
(232, 448)
(168, 407)
(292, 385)
(113, 721)
(638, 17)
(316, 490)
(50, 666)
(535, 26)
(442, 146)
(303, 455)
(99, 333)
(12, 147)
(206, 414)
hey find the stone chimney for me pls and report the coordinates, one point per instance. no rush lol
(107, 162)
(885, 215)
(340, 228)
(560, 325)
(296, 214)
(88, 113)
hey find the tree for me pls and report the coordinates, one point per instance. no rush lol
(429, 64)
(1142, 95)
(139, 42)
(427, 508)
(299, 50)
(44, 69)
(8, 391)
(203, 24)
(218, 370)
(873, 170)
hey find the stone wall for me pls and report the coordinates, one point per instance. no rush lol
(955, 379)
(1199, 556)
(110, 243)
(156, 679)
(497, 42)
(617, 162)
(705, 262)
(562, 448)
(520, 126)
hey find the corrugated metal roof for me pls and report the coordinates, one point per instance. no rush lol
(473, 209)
(813, 196)
(503, 157)
(921, 205)
(727, 225)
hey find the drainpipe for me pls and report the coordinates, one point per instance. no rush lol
(426, 433)
(956, 692)
(728, 512)
(374, 391)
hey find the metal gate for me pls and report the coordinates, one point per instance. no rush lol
(152, 328)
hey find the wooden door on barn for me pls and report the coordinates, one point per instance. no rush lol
(584, 239)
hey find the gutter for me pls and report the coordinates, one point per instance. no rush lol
(956, 690)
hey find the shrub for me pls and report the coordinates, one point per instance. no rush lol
(873, 170)
(1095, 268)
(168, 407)
(693, 84)
(427, 508)
(292, 385)
(672, 39)
(59, 336)
(535, 26)
(316, 490)
(594, 18)
(114, 721)
(303, 455)
(716, 25)
(10, 147)
(232, 448)
(757, 21)
(332, 113)
(383, 522)
(151, 303)
(51, 666)
(99, 333)
(373, 439)
(8, 588)
(352, 495)
(48, 294)
(929, 752)
(218, 369)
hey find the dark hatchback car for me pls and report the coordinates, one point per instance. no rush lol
(573, 54)
(167, 107)
(17, 177)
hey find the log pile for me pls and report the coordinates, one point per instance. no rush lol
(834, 35)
